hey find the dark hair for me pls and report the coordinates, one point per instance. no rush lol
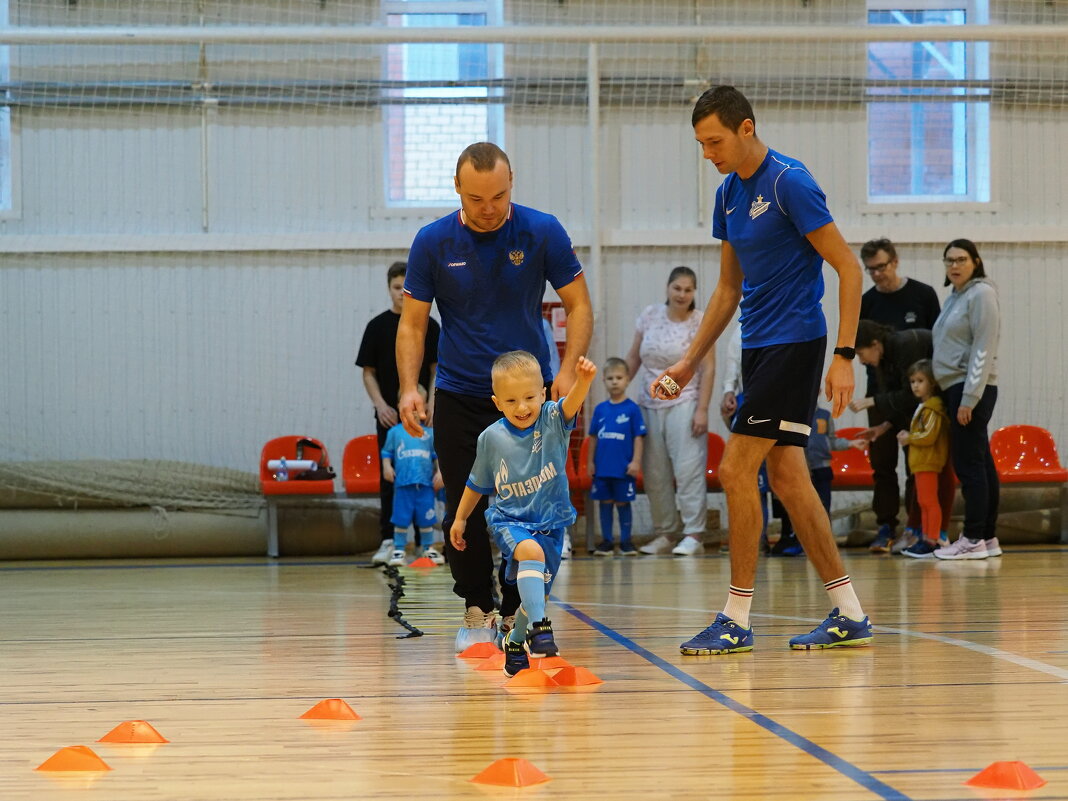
(925, 367)
(873, 246)
(683, 271)
(869, 332)
(614, 362)
(725, 102)
(973, 251)
(397, 268)
(483, 157)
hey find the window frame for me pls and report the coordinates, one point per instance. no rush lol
(9, 207)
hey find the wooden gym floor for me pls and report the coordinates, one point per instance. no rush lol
(970, 666)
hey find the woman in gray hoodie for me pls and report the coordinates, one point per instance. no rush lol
(965, 365)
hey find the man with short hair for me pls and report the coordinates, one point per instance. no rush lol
(901, 303)
(486, 265)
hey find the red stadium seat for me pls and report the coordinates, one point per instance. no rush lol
(361, 469)
(1026, 454)
(715, 456)
(851, 467)
(286, 447)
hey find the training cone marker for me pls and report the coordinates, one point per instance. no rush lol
(480, 650)
(530, 678)
(549, 663)
(493, 663)
(576, 677)
(133, 731)
(423, 562)
(331, 709)
(74, 757)
(1006, 776)
(511, 773)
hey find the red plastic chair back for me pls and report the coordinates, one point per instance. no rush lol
(715, 456)
(286, 447)
(851, 467)
(1026, 454)
(361, 468)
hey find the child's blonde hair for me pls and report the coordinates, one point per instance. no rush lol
(514, 361)
(926, 369)
(614, 362)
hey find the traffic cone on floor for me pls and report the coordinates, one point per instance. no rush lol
(133, 731)
(576, 677)
(74, 757)
(480, 650)
(493, 663)
(331, 709)
(422, 562)
(511, 773)
(531, 679)
(549, 663)
(1006, 776)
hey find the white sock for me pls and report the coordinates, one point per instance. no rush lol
(844, 597)
(739, 600)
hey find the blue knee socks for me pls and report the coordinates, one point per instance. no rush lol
(531, 583)
(606, 522)
(625, 518)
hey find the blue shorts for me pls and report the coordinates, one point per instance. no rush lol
(620, 490)
(551, 542)
(413, 503)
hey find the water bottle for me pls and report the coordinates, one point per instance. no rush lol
(283, 471)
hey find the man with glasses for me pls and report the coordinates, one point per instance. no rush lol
(900, 303)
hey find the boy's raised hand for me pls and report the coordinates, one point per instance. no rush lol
(585, 370)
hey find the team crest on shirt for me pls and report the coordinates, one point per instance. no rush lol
(623, 418)
(759, 207)
(536, 447)
(516, 257)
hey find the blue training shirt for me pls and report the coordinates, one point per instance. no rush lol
(413, 457)
(489, 289)
(765, 219)
(525, 469)
(615, 425)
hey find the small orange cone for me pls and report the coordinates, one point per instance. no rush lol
(480, 650)
(493, 663)
(1006, 776)
(511, 773)
(531, 679)
(74, 757)
(133, 731)
(331, 709)
(423, 562)
(576, 677)
(549, 663)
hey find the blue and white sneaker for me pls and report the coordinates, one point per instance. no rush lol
(921, 549)
(515, 658)
(837, 630)
(881, 543)
(478, 627)
(724, 636)
(540, 642)
(504, 625)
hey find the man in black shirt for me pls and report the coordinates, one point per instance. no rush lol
(378, 358)
(901, 303)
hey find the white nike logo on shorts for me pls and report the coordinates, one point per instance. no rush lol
(753, 422)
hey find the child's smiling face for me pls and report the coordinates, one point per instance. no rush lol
(519, 394)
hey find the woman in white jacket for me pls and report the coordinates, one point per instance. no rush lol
(965, 365)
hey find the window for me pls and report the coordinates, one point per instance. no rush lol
(449, 107)
(928, 109)
(5, 120)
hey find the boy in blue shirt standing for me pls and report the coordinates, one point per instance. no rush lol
(411, 464)
(521, 462)
(615, 456)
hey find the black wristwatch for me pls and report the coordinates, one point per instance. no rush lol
(845, 353)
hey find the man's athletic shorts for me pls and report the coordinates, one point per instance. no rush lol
(551, 542)
(781, 384)
(413, 503)
(620, 490)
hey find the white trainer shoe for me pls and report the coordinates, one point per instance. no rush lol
(434, 555)
(963, 548)
(689, 546)
(385, 550)
(478, 627)
(566, 552)
(993, 547)
(660, 545)
(397, 558)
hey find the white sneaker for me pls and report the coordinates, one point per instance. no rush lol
(963, 548)
(660, 545)
(993, 547)
(432, 553)
(566, 552)
(385, 550)
(478, 627)
(397, 558)
(906, 539)
(690, 546)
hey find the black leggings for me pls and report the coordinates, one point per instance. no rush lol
(969, 448)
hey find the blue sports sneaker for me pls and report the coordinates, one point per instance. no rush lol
(881, 543)
(515, 658)
(540, 642)
(724, 636)
(837, 630)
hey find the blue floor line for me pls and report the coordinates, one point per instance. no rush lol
(847, 769)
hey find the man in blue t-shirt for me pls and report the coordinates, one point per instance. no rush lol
(486, 265)
(772, 219)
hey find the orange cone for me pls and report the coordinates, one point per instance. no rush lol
(331, 709)
(1006, 776)
(549, 663)
(576, 677)
(133, 731)
(423, 562)
(493, 663)
(480, 650)
(74, 757)
(511, 773)
(531, 679)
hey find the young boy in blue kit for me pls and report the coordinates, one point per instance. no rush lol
(411, 464)
(521, 462)
(614, 458)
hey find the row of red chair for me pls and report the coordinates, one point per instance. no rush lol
(359, 471)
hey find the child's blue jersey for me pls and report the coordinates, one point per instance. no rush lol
(413, 457)
(615, 425)
(525, 469)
